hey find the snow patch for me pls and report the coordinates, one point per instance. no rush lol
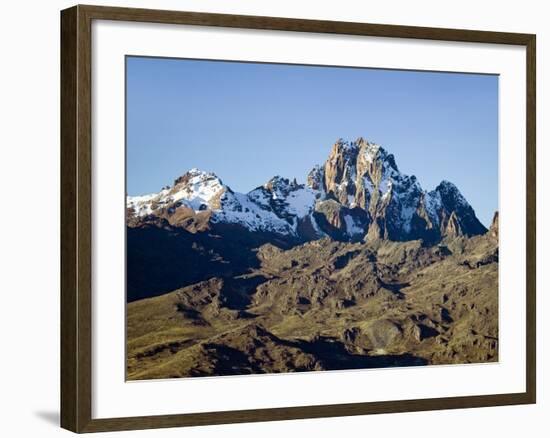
(240, 209)
(432, 203)
(352, 228)
(301, 202)
(371, 152)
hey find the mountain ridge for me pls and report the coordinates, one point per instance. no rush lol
(357, 194)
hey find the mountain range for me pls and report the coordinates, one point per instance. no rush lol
(357, 194)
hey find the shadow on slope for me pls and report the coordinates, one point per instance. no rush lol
(255, 350)
(160, 260)
(334, 356)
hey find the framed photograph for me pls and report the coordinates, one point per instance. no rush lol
(271, 218)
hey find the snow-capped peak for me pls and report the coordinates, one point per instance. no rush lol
(198, 188)
(359, 184)
(195, 189)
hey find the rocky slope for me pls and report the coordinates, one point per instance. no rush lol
(326, 305)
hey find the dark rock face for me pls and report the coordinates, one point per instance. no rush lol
(161, 259)
(340, 222)
(458, 211)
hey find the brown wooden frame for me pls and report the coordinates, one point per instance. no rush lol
(76, 174)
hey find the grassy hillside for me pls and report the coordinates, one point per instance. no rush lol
(326, 305)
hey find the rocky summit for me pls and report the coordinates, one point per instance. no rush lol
(358, 267)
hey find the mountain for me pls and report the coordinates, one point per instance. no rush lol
(359, 267)
(358, 194)
(198, 198)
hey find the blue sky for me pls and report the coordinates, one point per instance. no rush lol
(248, 122)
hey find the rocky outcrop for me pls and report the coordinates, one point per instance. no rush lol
(493, 231)
(316, 179)
(453, 228)
(363, 175)
(340, 222)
